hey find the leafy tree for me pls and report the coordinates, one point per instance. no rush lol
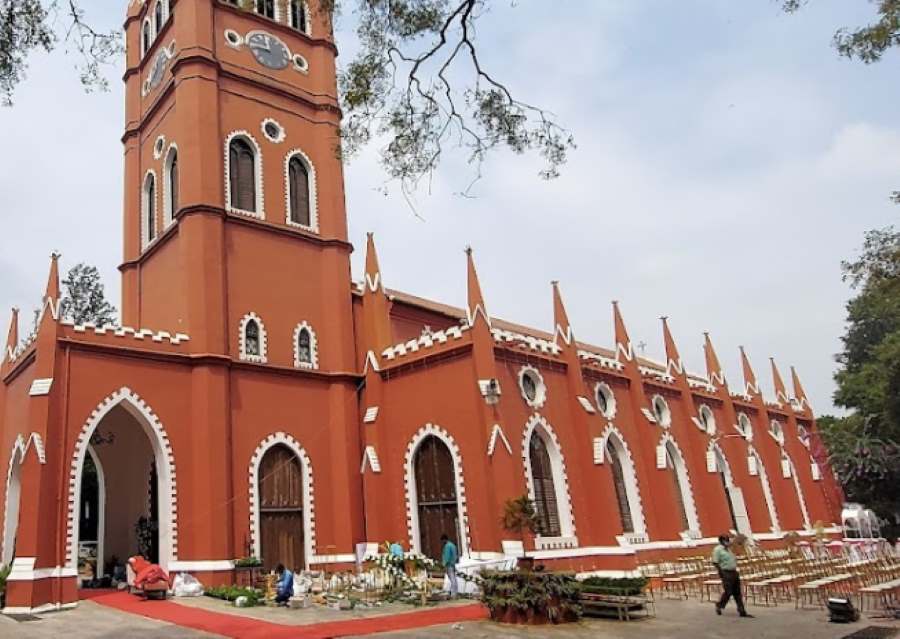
(520, 517)
(868, 43)
(864, 446)
(417, 81)
(27, 25)
(83, 298)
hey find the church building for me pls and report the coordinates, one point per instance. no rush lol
(256, 401)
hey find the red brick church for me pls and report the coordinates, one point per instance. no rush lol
(255, 401)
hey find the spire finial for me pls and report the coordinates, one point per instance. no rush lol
(476, 303)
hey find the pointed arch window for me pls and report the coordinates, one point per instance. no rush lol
(544, 488)
(672, 467)
(725, 478)
(299, 18)
(242, 178)
(298, 188)
(171, 182)
(252, 339)
(305, 352)
(149, 208)
(266, 8)
(158, 17)
(618, 473)
(146, 37)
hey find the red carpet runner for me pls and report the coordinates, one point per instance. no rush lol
(246, 628)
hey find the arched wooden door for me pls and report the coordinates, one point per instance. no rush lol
(618, 474)
(544, 488)
(672, 466)
(436, 498)
(281, 509)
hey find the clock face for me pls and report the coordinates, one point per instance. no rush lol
(159, 68)
(268, 50)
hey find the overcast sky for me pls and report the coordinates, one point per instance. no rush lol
(727, 161)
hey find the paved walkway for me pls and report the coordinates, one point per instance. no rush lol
(676, 620)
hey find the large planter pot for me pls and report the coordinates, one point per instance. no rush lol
(531, 617)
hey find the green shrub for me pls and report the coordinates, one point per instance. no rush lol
(231, 593)
(550, 594)
(625, 586)
(247, 562)
(4, 573)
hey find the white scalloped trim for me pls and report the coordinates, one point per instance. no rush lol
(158, 147)
(313, 347)
(309, 519)
(242, 339)
(412, 510)
(168, 213)
(684, 482)
(165, 468)
(145, 204)
(560, 476)
(257, 169)
(313, 191)
(540, 396)
(282, 134)
(663, 417)
(606, 389)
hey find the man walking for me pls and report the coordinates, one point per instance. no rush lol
(726, 563)
(450, 557)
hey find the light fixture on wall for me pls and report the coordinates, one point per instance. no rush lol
(490, 390)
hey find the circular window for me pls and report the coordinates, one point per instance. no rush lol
(744, 426)
(606, 400)
(273, 131)
(158, 147)
(531, 384)
(707, 420)
(233, 38)
(777, 431)
(661, 411)
(300, 63)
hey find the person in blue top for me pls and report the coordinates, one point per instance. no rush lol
(450, 557)
(396, 550)
(285, 588)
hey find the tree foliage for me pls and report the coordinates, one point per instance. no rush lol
(84, 300)
(864, 446)
(30, 25)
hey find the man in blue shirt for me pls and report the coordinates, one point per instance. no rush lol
(285, 588)
(450, 557)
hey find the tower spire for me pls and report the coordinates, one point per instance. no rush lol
(750, 385)
(623, 342)
(12, 338)
(713, 367)
(799, 393)
(376, 313)
(563, 329)
(51, 294)
(373, 281)
(673, 358)
(476, 303)
(781, 395)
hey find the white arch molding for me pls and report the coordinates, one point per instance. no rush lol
(684, 481)
(538, 426)
(313, 362)
(306, 473)
(165, 473)
(101, 501)
(168, 210)
(615, 437)
(257, 173)
(412, 500)
(313, 190)
(803, 509)
(767, 490)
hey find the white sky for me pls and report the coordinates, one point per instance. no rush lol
(727, 161)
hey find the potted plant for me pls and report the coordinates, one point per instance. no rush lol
(520, 517)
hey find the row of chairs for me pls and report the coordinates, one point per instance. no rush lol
(806, 575)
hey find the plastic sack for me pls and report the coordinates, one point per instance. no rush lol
(187, 585)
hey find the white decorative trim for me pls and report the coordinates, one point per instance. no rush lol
(709, 425)
(776, 430)
(629, 472)
(313, 363)
(13, 496)
(497, 434)
(313, 191)
(370, 459)
(233, 39)
(146, 240)
(373, 283)
(258, 175)
(540, 394)
(306, 470)
(586, 405)
(684, 481)
(168, 212)
(40, 387)
(745, 431)
(242, 339)
(661, 411)
(210, 565)
(165, 472)
(538, 426)
(767, 489)
(412, 509)
(48, 607)
(610, 397)
(371, 415)
(625, 351)
(158, 147)
(473, 313)
(807, 523)
(301, 64)
(340, 558)
(279, 138)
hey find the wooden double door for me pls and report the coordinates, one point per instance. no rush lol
(281, 509)
(437, 503)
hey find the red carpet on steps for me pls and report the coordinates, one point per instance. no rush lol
(241, 627)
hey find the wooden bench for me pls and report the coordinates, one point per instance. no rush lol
(624, 606)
